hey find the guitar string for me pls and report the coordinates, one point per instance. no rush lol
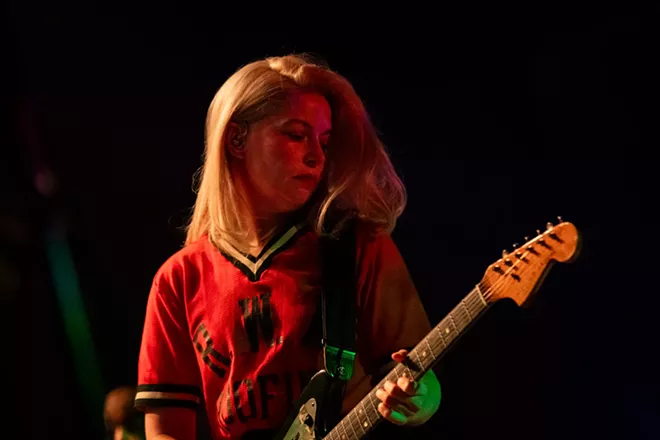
(486, 295)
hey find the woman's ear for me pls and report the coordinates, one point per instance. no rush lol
(236, 138)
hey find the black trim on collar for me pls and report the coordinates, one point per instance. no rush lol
(269, 252)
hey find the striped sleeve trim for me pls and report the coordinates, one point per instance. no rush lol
(167, 395)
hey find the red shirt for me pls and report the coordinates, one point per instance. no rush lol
(233, 332)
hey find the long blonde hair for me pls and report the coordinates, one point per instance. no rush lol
(359, 176)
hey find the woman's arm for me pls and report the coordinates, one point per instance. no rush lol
(169, 382)
(170, 424)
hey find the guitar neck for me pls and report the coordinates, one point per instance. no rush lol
(365, 416)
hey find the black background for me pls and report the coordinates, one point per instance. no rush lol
(498, 120)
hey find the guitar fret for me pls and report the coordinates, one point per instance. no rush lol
(460, 317)
(475, 300)
(471, 306)
(346, 434)
(451, 334)
(336, 432)
(362, 417)
(370, 398)
(430, 348)
(442, 337)
(406, 368)
(453, 322)
(350, 425)
(363, 427)
(467, 316)
(419, 361)
(359, 423)
(367, 423)
(451, 319)
(351, 433)
(466, 310)
(337, 429)
(477, 290)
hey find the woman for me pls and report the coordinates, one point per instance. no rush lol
(289, 146)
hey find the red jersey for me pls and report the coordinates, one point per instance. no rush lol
(234, 333)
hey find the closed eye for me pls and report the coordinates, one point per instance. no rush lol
(299, 137)
(325, 142)
(296, 136)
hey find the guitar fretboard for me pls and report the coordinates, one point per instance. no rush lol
(365, 416)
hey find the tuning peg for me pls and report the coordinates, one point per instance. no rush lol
(526, 238)
(505, 253)
(515, 245)
(560, 219)
(538, 232)
(549, 226)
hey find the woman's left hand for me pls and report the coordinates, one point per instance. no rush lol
(406, 402)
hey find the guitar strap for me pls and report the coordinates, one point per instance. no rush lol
(339, 311)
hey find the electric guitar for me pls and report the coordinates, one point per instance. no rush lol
(517, 275)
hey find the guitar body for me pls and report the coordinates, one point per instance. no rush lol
(314, 412)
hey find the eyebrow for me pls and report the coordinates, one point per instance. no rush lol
(305, 123)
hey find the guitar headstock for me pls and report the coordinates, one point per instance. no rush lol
(519, 273)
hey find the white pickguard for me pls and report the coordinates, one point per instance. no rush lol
(303, 426)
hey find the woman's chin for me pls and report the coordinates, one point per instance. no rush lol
(295, 201)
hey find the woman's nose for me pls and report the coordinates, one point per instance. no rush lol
(315, 156)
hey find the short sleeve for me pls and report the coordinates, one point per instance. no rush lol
(168, 373)
(391, 314)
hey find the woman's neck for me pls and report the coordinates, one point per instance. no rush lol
(263, 229)
(262, 226)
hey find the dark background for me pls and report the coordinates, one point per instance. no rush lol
(498, 119)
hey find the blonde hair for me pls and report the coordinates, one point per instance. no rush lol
(359, 177)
